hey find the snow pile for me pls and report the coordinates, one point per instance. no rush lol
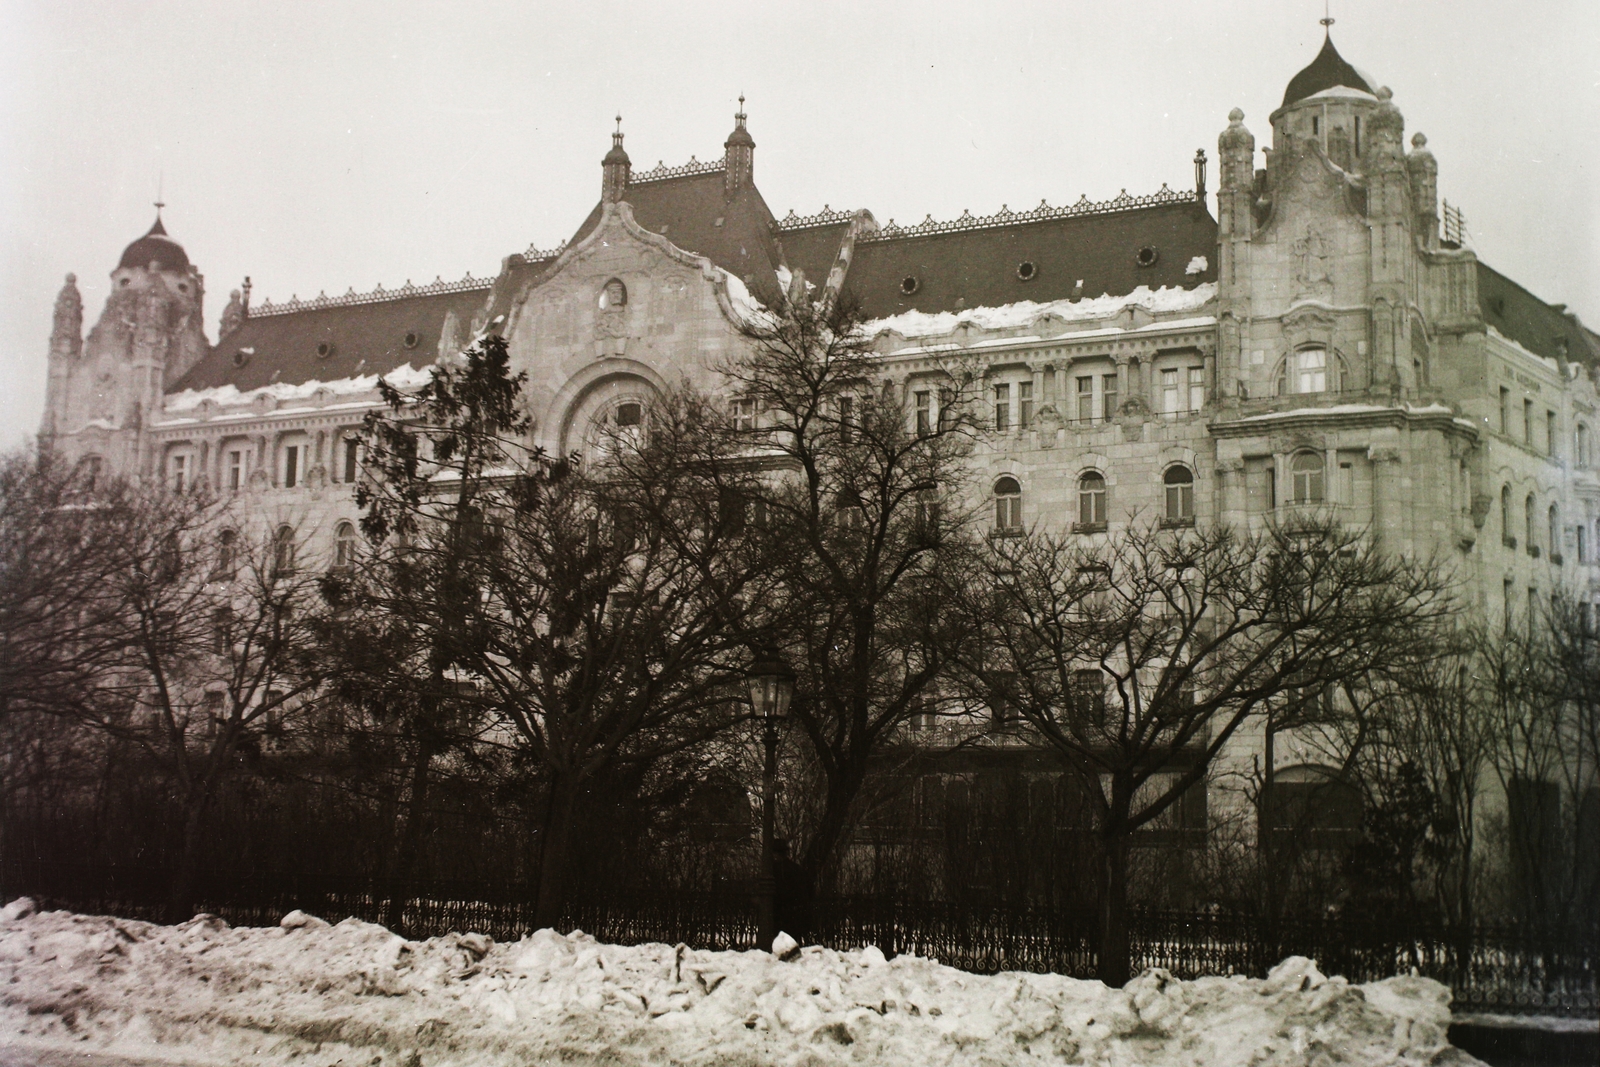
(402, 377)
(355, 993)
(1026, 312)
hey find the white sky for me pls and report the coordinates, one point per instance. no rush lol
(335, 144)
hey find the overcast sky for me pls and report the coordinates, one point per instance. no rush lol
(320, 146)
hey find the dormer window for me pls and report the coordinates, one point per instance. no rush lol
(614, 295)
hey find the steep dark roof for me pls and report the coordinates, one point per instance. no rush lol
(1326, 71)
(366, 338)
(813, 249)
(155, 247)
(693, 213)
(1535, 325)
(979, 267)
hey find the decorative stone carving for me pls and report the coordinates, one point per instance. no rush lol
(1312, 257)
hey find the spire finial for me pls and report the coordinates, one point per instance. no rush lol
(616, 137)
(1326, 21)
(161, 181)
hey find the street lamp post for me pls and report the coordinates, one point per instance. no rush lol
(771, 682)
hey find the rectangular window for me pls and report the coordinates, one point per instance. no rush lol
(1347, 484)
(236, 469)
(1313, 367)
(947, 408)
(1583, 547)
(1527, 423)
(1024, 405)
(924, 401)
(1197, 388)
(1505, 590)
(847, 418)
(1260, 485)
(1550, 432)
(1108, 396)
(1169, 393)
(1002, 408)
(291, 466)
(350, 456)
(1505, 410)
(179, 468)
(744, 414)
(213, 713)
(1085, 400)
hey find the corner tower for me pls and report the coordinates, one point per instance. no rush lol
(103, 389)
(1338, 311)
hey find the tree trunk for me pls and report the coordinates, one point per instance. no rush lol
(401, 875)
(1115, 952)
(555, 852)
(181, 891)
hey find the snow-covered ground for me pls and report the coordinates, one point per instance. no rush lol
(315, 995)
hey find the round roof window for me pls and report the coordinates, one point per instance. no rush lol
(240, 358)
(1027, 270)
(412, 339)
(909, 284)
(1147, 256)
(325, 349)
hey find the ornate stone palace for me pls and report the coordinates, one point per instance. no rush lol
(1324, 339)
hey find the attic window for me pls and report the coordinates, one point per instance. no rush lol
(909, 284)
(183, 287)
(240, 358)
(1147, 256)
(411, 339)
(1027, 270)
(324, 349)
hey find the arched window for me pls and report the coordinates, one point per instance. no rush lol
(1528, 510)
(1580, 449)
(91, 469)
(1306, 469)
(1008, 506)
(1179, 481)
(1092, 499)
(1506, 536)
(227, 554)
(1555, 532)
(283, 551)
(344, 546)
(1308, 370)
(614, 295)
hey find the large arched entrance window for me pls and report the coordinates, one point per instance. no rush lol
(1306, 470)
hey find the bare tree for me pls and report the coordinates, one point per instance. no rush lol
(866, 495)
(588, 607)
(57, 558)
(1541, 676)
(194, 644)
(1139, 657)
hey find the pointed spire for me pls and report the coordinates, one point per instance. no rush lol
(739, 154)
(616, 168)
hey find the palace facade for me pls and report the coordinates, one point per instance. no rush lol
(1324, 339)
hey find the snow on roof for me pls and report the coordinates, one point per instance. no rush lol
(1026, 312)
(1353, 409)
(1510, 342)
(401, 377)
(1344, 91)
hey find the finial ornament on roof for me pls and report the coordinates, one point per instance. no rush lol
(1326, 20)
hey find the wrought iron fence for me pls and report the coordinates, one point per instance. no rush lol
(1504, 967)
